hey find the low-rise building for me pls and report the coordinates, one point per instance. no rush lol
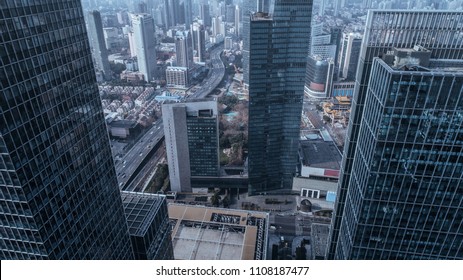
(320, 158)
(207, 233)
(149, 225)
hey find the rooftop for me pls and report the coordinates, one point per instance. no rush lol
(140, 210)
(320, 154)
(319, 235)
(124, 123)
(206, 233)
(261, 16)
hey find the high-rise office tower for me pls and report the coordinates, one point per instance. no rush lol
(277, 64)
(366, 4)
(192, 141)
(349, 57)
(97, 42)
(230, 14)
(264, 6)
(184, 49)
(199, 42)
(248, 7)
(336, 36)
(142, 8)
(338, 5)
(172, 12)
(217, 26)
(188, 10)
(58, 186)
(205, 14)
(321, 7)
(407, 208)
(321, 61)
(319, 77)
(322, 43)
(145, 44)
(237, 20)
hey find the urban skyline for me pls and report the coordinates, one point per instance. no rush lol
(337, 121)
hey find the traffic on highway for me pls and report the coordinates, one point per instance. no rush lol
(134, 157)
(126, 168)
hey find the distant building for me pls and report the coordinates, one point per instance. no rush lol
(110, 36)
(132, 44)
(349, 57)
(184, 49)
(205, 15)
(217, 26)
(230, 13)
(174, 13)
(123, 128)
(132, 76)
(322, 43)
(145, 44)
(188, 10)
(237, 22)
(343, 89)
(264, 6)
(207, 233)
(149, 225)
(228, 43)
(199, 42)
(167, 96)
(97, 42)
(192, 141)
(177, 77)
(319, 77)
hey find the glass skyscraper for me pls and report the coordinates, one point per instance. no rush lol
(149, 225)
(278, 49)
(58, 188)
(145, 44)
(400, 194)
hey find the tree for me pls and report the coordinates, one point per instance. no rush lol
(226, 201)
(215, 199)
(117, 68)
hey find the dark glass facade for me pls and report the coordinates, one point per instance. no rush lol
(406, 199)
(247, 8)
(203, 134)
(58, 188)
(149, 225)
(278, 54)
(437, 31)
(97, 43)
